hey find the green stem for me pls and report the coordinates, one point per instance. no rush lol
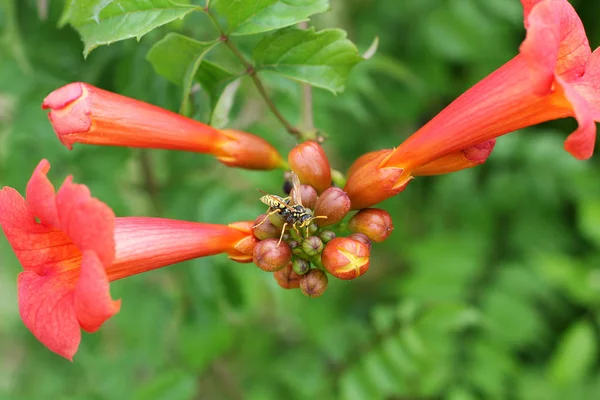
(254, 76)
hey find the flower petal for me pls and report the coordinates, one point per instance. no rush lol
(70, 109)
(589, 84)
(39, 248)
(540, 47)
(93, 304)
(556, 43)
(144, 243)
(581, 142)
(46, 308)
(41, 196)
(87, 221)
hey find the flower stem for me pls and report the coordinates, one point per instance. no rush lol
(255, 78)
(308, 123)
(150, 182)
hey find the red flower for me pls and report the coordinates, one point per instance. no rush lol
(78, 247)
(81, 113)
(555, 75)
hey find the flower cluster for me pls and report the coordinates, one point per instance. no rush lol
(299, 255)
(71, 245)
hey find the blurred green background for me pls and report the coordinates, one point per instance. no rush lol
(487, 289)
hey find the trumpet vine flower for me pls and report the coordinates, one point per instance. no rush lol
(71, 246)
(555, 75)
(82, 113)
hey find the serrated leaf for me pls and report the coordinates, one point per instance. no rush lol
(177, 58)
(251, 17)
(575, 355)
(101, 22)
(322, 59)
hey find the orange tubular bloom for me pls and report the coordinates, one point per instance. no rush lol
(82, 113)
(78, 247)
(555, 75)
(309, 161)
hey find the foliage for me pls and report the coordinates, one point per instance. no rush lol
(489, 286)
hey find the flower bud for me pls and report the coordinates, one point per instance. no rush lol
(361, 237)
(332, 203)
(346, 258)
(269, 256)
(277, 220)
(314, 283)
(287, 278)
(327, 235)
(375, 223)
(265, 229)
(312, 246)
(293, 244)
(308, 194)
(82, 113)
(309, 162)
(300, 266)
(368, 183)
(297, 251)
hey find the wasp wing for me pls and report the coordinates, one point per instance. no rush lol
(296, 192)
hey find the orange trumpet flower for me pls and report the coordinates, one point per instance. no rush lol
(71, 246)
(555, 75)
(82, 113)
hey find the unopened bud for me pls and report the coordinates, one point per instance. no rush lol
(312, 246)
(375, 223)
(345, 258)
(293, 244)
(308, 195)
(298, 251)
(277, 220)
(265, 229)
(269, 256)
(300, 266)
(361, 237)
(287, 278)
(309, 162)
(314, 283)
(333, 204)
(327, 235)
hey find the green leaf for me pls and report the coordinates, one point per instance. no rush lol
(171, 384)
(322, 59)
(250, 17)
(215, 80)
(575, 355)
(177, 58)
(101, 22)
(219, 118)
(589, 218)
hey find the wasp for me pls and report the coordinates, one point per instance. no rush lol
(290, 208)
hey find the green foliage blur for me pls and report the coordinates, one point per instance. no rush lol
(488, 287)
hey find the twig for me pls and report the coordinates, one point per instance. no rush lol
(255, 78)
(308, 123)
(150, 183)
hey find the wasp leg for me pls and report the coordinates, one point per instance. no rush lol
(282, 233)
(265, 218)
